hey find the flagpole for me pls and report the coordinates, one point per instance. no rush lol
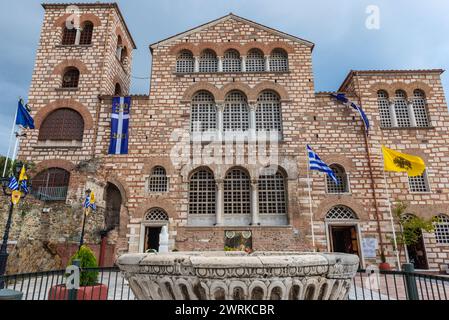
(391, 219)
(10, 140)
(16, 146)
(310, 200)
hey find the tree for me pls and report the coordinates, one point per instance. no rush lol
(411, 226)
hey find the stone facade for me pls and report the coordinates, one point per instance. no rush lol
(334, 131)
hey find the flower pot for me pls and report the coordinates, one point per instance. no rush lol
(384, 266)
(97, 292)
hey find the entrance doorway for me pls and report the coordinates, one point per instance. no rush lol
(417, 254)
(152, 238)
(344, 239)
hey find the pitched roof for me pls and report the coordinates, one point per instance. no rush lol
(235, 17)
(390, 71)
(97, 5)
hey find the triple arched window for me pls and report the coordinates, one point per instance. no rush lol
(236, 112)
(342, 186)
(62, 124)
(402, 112)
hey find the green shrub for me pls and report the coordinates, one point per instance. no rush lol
(87, 260)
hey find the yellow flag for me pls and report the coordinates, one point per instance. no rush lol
(92, 198)
(401, 162)
(15, 196)
(23, 174)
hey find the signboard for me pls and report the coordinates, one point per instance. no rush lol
(369, 246)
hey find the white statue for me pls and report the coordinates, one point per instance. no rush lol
(163, 240)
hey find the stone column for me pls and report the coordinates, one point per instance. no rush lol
(220, 110)
(267, 63)
(411, 114)
(243, 63)
(196, 65)
(254, 203)
(252, 120)
(220, 64)
(78, 35)
(394, 121)
(219, 208)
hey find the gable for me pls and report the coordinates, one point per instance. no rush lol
(228, 27)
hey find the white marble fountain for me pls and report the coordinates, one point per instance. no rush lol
(239, 276)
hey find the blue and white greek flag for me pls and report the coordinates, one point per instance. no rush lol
(120, 125)
(24, 186)
(87, 204)
(342, 98)
(13, 184)
(315, 163)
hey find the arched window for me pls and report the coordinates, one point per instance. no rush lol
(62, 124)
(231, 61)
(237, 192)
(119, 49)
(268, 113)
(255, 61)
(342, 178)
(236, 113)
(86, 33)
(113, 206)
(158, 180)
(401, 109)
(156, 215)
(51, 184)
(185, 63)
(68, 36)
(272, 194)
(202, 192)
(279, 61)
(204, 113)
(384, 109)
(341, 213)
(208, 61)
(419, 183)
(441, 226)
(71, 77)
(420, 108)
(118, 89)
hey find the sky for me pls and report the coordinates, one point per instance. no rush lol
(411, 34)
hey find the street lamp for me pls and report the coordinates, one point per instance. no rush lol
(4, 248)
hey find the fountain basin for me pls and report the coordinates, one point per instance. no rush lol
(239, 276)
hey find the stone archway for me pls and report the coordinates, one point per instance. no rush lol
(114, 201)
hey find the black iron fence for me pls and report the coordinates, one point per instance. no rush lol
(367, 285)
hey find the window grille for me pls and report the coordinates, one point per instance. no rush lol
(204, 112)
(341, 213)
(51, 184)
(401, 109)
(236, 113)
(62, 124)
(384, 109)
(279, 61)
(420, 109)
(202, 193)
(272, 194)
(68, 36)
(255, 61)
(185, 63)
(208, 61)
(419, 183)
(71, 77)
(231, 61)
(342, 178)
(442, 229)
(158, 180)
(156, 215)
(86, 33)
(268, 113)
(237, 193)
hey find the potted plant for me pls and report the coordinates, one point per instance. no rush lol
(384, 265)
(89, 288)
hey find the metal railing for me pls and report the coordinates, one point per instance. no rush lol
(50, 285)
(383, 285)
(50, 193)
